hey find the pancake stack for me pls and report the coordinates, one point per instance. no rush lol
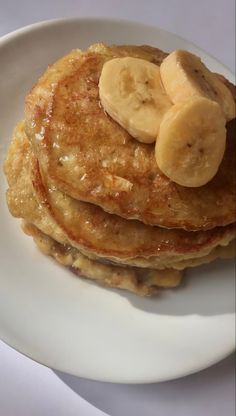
(93, 197)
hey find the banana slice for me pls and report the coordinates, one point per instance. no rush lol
(191, 142)
(184, 75)
(131, 92)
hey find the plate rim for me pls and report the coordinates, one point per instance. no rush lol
(105, 380)
(4, 39)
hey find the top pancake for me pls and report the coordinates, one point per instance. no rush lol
(90, 157)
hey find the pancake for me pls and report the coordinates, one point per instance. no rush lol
(142, 282)
(94, 232)
(88, 156)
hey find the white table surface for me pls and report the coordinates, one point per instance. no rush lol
(29, 389)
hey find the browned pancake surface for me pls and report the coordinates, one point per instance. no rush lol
(88, 156)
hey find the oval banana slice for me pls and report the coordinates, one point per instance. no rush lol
(131, 92)
(191, 142)
(184, 75)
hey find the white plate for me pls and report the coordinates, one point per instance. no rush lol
(71, 324)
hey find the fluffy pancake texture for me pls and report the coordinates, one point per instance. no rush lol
(93, 198)
(87, 155)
